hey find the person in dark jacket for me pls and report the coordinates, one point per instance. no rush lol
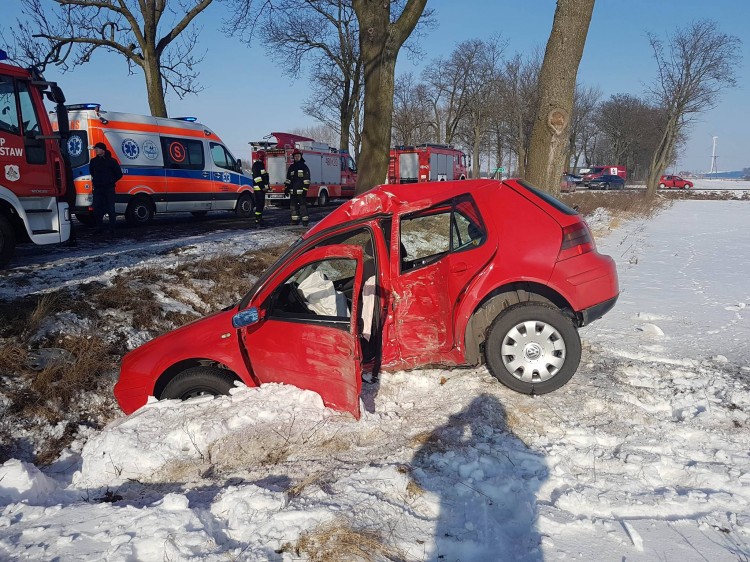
(105, 173)
(297, 183)
(260, 186)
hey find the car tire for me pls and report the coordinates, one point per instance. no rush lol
(323, 198)
(86, 219)
(7, 241)
(537, 362)
(199, 381)
(662, 186)
(140, 210)
(245, 206)
(605, 186)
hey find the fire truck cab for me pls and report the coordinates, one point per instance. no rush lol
(426, 162)
(168, 165)
(333, 174)
(33, 171)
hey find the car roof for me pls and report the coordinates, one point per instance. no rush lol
(391, 198)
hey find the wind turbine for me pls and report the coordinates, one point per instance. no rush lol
(713, 169)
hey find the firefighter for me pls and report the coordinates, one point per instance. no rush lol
(260, 186)
(297, 183)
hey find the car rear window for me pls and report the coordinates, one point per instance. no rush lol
(556, 203)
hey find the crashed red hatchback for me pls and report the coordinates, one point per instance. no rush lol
(447, 273)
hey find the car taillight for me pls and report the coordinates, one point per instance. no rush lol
(576, 240)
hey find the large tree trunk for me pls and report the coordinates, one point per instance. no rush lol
(557, 80)
(154, 86)
(380, 41)
(662, 156)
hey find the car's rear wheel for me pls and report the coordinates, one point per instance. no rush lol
(662, 186)
(199, 381)
(245, 206)
(322, 198)
(532, 348)
(140, 210)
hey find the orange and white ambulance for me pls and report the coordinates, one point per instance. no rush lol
(168, 165)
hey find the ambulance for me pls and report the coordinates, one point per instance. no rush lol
(168, 164)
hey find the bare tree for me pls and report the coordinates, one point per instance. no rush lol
(381, 35)
(557, 80)
(481, 91)
(519, 95)
(411, 115)
(629, 129)
(322, 35)
(69, 33)
(321, 133)
(693, 67)
(585, 100)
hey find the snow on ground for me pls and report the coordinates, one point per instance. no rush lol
(644, 455)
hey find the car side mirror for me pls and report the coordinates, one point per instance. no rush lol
(246, 317)
(238, 166)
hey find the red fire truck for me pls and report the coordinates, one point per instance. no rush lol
(333, 174)
(34, 169)
(426, 162)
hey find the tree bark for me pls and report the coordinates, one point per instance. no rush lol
(380, 41)
(557, 80)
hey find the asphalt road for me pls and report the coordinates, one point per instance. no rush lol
(162, 227)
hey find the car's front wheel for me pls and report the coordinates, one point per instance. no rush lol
(662, 186)
(532, 348)
(199, 381)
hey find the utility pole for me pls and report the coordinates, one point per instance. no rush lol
(713, 169)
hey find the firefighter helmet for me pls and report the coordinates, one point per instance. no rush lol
(260, 155)
(296, 151)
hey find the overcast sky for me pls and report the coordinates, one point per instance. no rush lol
(247, 95)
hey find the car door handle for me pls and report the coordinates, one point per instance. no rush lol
(205, 174)
(459, 268)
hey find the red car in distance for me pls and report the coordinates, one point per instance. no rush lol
(674, 182)
(450, 273)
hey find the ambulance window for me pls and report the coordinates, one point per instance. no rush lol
(221, 157)
(182, 154)
(8, 113)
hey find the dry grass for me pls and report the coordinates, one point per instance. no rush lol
(12, 356)
(624, 203)
(63, 379)
(338, 541)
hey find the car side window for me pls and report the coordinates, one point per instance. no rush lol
(182, 154)
(427, 236)
(315, 290)
(221, 157)
(8, 113)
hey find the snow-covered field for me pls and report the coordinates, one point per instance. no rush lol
(644, 455)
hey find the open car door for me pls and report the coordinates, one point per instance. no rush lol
(307, 333)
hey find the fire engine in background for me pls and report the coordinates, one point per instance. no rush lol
(333, 174)
(168, 165)
(34, 175)
(426, 162)
(596, 172)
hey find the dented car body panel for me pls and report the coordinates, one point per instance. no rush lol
(419, 275)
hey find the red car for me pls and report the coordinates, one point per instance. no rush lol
(674, 181)
(452, 273)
